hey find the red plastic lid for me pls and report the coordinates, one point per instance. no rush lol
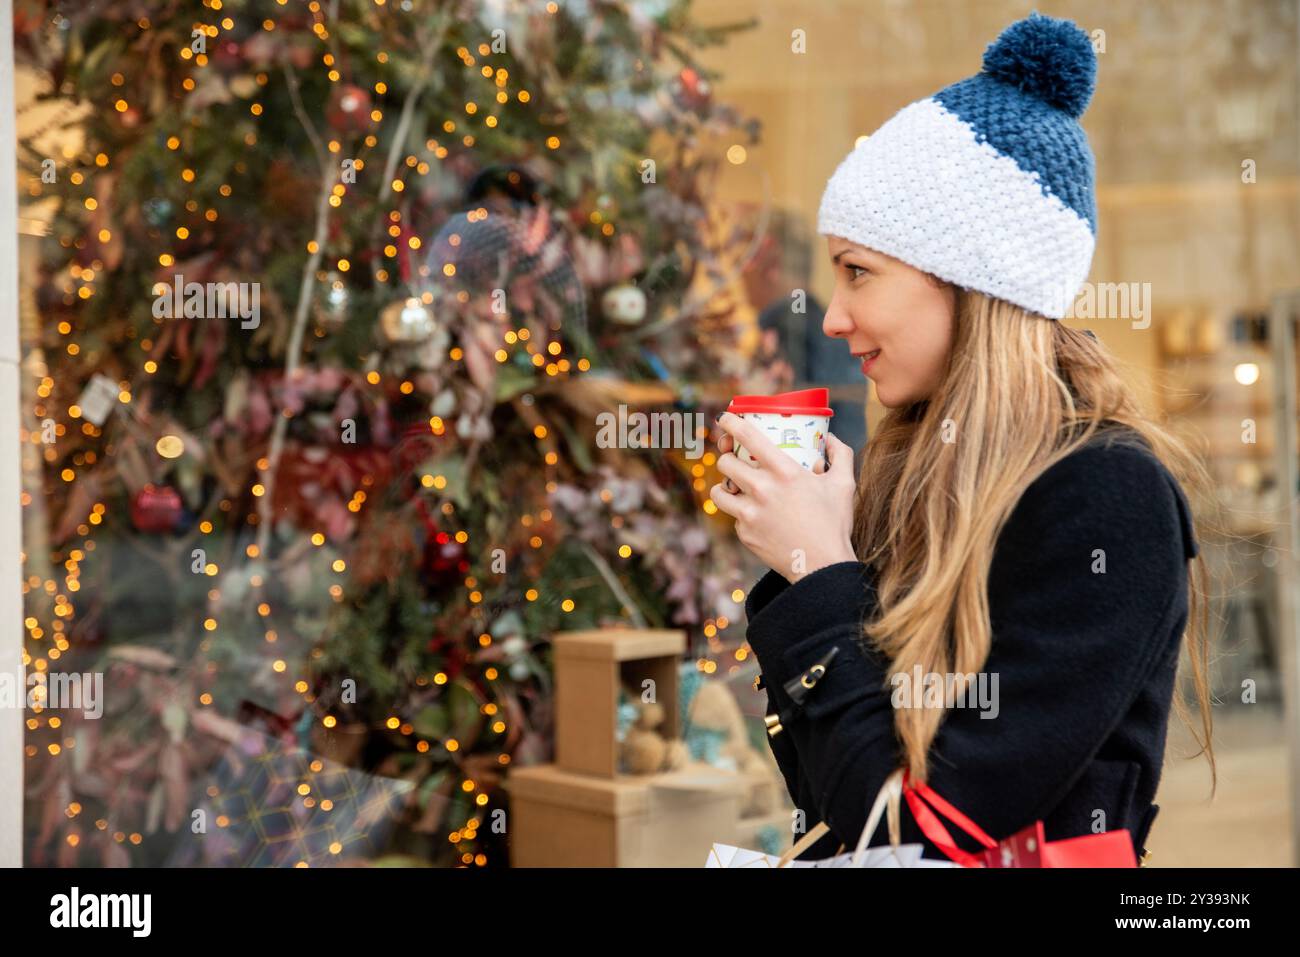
(803, 402)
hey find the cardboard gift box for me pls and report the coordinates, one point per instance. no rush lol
(560, 818)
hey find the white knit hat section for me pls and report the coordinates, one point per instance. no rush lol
(923, 189)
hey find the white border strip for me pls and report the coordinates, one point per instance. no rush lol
(11, 599)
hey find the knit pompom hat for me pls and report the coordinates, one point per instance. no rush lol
(988, 183)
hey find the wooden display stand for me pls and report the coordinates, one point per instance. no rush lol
(579, 811)
(590, 666)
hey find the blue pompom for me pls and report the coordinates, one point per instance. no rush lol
(1048, 58)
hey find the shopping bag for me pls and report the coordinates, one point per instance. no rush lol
(894, 854)
(906, 855)
(1026, 848)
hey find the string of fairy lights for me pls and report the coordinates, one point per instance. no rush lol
(80, 285)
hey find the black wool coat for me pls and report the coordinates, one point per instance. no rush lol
(1085, 661)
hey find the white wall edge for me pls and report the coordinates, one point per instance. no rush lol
(11, 599)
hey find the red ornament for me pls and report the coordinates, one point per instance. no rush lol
(444, 563)
(692, 91)
(349, 109)
(444, 560)
(156, 509)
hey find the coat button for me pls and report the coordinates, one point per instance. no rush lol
(798, 687)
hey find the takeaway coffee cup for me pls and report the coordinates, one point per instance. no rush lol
(796, 422)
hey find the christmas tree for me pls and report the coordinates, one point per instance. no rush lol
(333, 296)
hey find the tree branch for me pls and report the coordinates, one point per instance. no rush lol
(614, 585)
(293, 354)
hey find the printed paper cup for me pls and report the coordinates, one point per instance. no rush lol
(796, 422)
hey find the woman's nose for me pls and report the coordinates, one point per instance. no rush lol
(837, 323)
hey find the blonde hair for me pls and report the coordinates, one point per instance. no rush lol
(1025, 392)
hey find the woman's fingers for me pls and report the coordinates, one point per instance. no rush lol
(728, 502)
(725, 445)
(840, 457)
(757, 444)
(740, 476)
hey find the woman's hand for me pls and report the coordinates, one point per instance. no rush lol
(794, 520)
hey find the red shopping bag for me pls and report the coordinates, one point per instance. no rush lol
(1026, 848)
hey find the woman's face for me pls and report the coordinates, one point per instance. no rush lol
(885, 306)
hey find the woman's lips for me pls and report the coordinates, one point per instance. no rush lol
(868, 359)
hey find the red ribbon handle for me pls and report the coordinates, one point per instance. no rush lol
(932, 827)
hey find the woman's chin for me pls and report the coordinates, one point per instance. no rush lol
(892, 396)
(886, 396)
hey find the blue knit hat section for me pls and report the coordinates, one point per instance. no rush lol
(989, 183)
(1037, 80)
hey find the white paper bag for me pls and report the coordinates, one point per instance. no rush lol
(905, 855)
(890, 855)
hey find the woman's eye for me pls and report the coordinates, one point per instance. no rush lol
(855, 271)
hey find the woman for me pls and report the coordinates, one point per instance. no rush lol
(1017, 520)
